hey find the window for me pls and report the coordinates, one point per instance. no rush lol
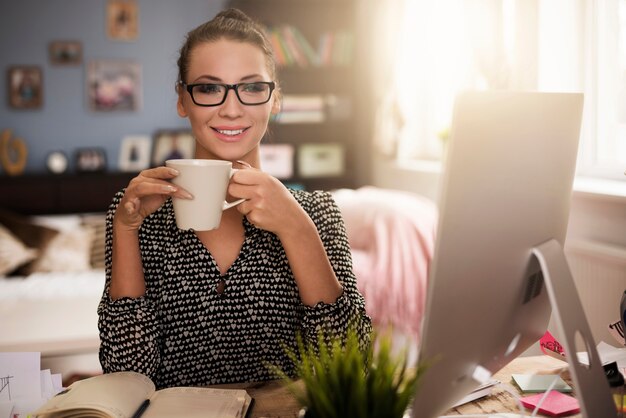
(445, 46)
(604, 152)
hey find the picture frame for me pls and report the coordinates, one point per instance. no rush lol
(114, 85)
(135, 153)
(65, 52)
(90, 160)
(321, 160)
(172, 144)
(277, 160)
(25, 87)
(122, 20)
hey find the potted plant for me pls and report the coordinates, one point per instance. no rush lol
(337, 381)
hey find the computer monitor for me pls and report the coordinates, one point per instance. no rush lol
(499, 266)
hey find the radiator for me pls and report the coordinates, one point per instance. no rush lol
(599, 271)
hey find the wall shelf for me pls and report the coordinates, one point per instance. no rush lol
(37, 194)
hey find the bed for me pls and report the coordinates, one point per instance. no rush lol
(48, 299)
(52, 266)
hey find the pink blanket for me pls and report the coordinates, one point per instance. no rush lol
(392, 237)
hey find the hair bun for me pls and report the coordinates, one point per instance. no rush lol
(234, 14)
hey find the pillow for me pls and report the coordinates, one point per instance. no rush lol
(69, 251)
(13, 252)
(97, 222)
(30, 234)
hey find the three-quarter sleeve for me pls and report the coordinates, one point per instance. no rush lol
(348, 311)
(129, 330)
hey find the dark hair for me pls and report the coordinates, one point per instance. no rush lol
(231, 24)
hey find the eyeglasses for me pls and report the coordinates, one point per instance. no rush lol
(250, 94)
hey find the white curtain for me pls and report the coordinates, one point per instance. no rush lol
(431, 50)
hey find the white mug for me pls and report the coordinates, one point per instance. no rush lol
(207, 181)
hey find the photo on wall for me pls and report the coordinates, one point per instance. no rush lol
(25, 87)
(114, 85)
(65, 52)
(122, 20)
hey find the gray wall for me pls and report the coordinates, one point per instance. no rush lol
(65, 122)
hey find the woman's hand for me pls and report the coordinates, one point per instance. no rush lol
(145, 194)
(268, 205)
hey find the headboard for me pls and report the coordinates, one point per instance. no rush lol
(37, 194)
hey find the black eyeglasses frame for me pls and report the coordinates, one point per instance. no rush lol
(189, 88)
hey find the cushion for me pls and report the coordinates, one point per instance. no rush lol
(62, 242)
(29, 233)
(13, 252)
(69, 251)
(97, 222)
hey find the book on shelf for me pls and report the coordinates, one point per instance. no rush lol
(291, 48)
(302, 108)
(133, 395)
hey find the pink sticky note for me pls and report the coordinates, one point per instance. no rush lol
(556, 404)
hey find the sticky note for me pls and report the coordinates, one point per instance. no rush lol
(540, 382)
(551, 347)
(555, 404)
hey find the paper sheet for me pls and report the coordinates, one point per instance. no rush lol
(608, 354)
(6, 409)
(617, 332)
(20, 376)
(47, 387)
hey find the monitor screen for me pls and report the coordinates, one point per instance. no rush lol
(506, 189)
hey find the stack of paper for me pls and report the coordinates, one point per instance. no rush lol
(24, 387)
(479, 392)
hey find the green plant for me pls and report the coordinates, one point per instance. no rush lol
(339, 380)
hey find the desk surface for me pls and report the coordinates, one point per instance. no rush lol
(501, 400)
(272, 400)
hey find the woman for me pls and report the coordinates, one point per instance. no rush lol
(190, 308)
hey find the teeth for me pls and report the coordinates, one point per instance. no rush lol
(230, 132)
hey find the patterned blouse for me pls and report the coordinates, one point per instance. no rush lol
(195, 327)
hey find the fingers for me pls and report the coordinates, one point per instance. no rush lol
(145, 194)
(159, 173)
(243, 163)
(155, 181)
(249, 176)
(158, 187)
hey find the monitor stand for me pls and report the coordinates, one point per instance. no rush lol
(591, 385)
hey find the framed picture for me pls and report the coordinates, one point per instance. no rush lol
(90, 160)
(65, 52)
(25, 87)
(122, 20)
(135, 153)
(277, 160)
(172, 144)
(321, 160)
(114, 85)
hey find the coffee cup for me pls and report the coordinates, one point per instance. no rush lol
(207, 181)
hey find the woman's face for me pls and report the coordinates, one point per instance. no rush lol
(231, 131)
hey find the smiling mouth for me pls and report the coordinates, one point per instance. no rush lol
(230, 132)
